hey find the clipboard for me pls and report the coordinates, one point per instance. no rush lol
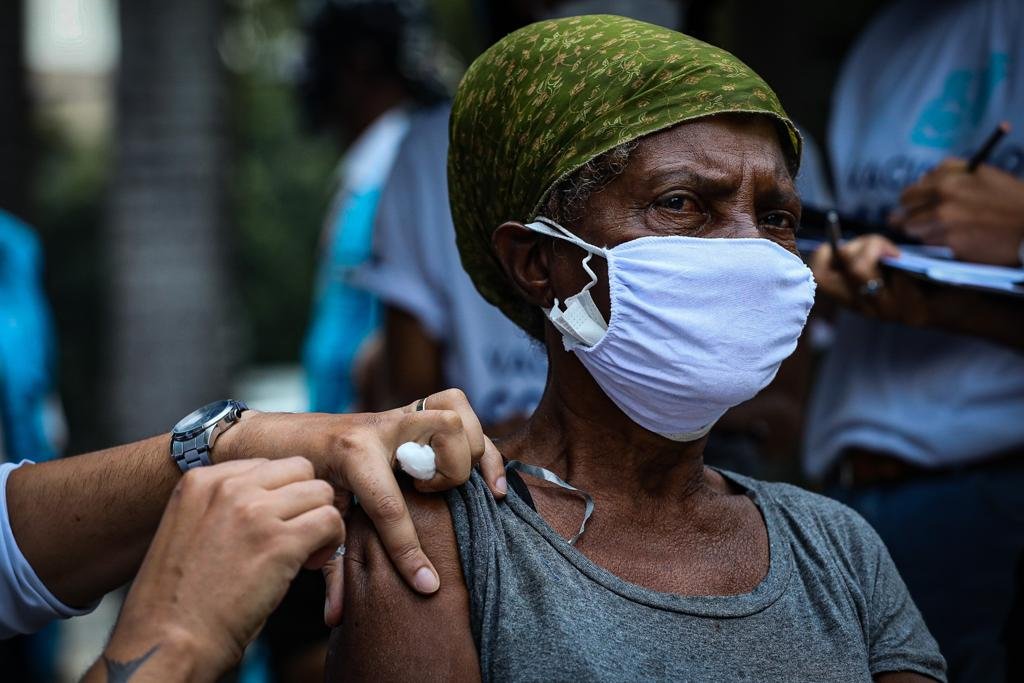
(936, 264)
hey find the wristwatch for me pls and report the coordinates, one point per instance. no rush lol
(193, 437)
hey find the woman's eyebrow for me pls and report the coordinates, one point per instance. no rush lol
(779, 196)
(705, 179)
(713, 182)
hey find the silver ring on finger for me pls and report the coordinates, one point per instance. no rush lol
(421, 405)
(872, 287)
(340, 552)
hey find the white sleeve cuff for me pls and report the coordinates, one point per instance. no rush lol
(26, 604)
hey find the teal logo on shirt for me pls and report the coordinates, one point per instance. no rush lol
(949, 120)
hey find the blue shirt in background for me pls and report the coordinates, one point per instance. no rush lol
(27, 345)
(345, 317)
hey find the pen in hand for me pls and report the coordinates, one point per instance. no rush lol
(900, 214)
(983, 153)
(869, 289)
(833, 240)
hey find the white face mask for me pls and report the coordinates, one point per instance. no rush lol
(697, 325)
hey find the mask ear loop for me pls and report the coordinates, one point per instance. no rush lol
(591, 273)
(546, 226)
(588, 286)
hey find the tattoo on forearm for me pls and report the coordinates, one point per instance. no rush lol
(122, 672)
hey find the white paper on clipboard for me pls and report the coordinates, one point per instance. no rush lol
(938, 265)
(959, 273)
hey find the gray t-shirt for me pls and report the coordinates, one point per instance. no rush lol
(832, 607)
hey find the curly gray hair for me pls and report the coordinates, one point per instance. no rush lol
(567, 200)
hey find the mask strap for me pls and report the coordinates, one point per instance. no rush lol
(552, 478)
(593, 276)
(546, 226)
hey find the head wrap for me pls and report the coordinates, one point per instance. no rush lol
(554, 95)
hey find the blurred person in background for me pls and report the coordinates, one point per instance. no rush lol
(29, 416)
(368, 65)
(919, 429)
(438, 330)
(31, 420)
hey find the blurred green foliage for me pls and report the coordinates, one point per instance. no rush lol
(279, 181)
(68, 201)
(279, 191)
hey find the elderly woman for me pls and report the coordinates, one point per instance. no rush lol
(625, 194)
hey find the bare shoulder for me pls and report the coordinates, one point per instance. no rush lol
(390, 632)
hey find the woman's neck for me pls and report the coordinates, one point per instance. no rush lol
(580, 435)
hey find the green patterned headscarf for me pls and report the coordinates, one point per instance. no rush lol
(545, 100)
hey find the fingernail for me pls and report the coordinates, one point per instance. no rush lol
(501, 485)
(327, 608)
(425, 580)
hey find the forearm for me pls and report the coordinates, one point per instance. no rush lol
(84, 523)
(148, 656)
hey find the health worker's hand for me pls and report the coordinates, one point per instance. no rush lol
(356, 454)
(979, 215)
(232, 538)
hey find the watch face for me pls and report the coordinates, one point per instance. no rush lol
(198, 419)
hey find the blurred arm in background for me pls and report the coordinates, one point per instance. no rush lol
(911, 301)
(979, 215)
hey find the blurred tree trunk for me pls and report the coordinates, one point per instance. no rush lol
(169, 289)
(14, 111)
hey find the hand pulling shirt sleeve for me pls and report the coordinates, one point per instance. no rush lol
(26, 605)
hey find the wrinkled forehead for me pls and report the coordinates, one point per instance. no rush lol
(717, 143)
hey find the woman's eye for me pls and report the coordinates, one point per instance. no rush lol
(779, 220)
(680, 203)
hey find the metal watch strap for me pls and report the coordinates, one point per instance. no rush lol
(192, 453)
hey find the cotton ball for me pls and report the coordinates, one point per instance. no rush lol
(417, 460)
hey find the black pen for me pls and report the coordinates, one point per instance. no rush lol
(983, 153)
(833, 239)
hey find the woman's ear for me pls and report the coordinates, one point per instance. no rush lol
(524, 256)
